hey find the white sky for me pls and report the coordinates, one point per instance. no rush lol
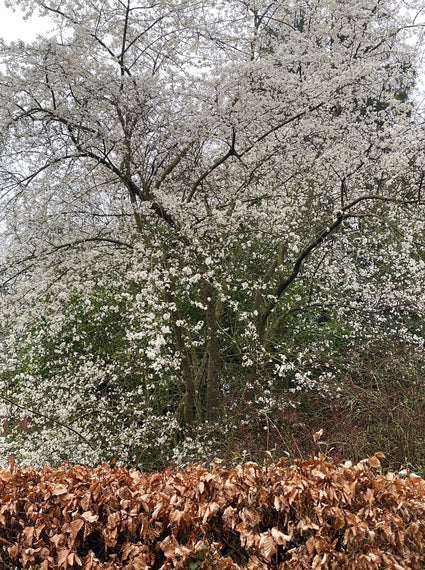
(13, 27)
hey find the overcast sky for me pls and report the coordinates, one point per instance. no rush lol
(14, 27)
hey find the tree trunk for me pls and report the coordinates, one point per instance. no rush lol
(214, 363)
(189, 396)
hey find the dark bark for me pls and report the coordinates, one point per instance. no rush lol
(214, 361)
(190, 395)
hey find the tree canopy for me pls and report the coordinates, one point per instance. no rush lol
(205, 209)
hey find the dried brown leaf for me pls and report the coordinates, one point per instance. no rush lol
(267, 545)
(374, 462)
(317, 435)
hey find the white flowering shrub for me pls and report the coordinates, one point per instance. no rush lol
(205, 209)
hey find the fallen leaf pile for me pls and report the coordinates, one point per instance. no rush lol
(313, 514)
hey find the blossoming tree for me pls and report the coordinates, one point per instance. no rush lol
(198, 198)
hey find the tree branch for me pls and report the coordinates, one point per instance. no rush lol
(342, 215)
(53, 420)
